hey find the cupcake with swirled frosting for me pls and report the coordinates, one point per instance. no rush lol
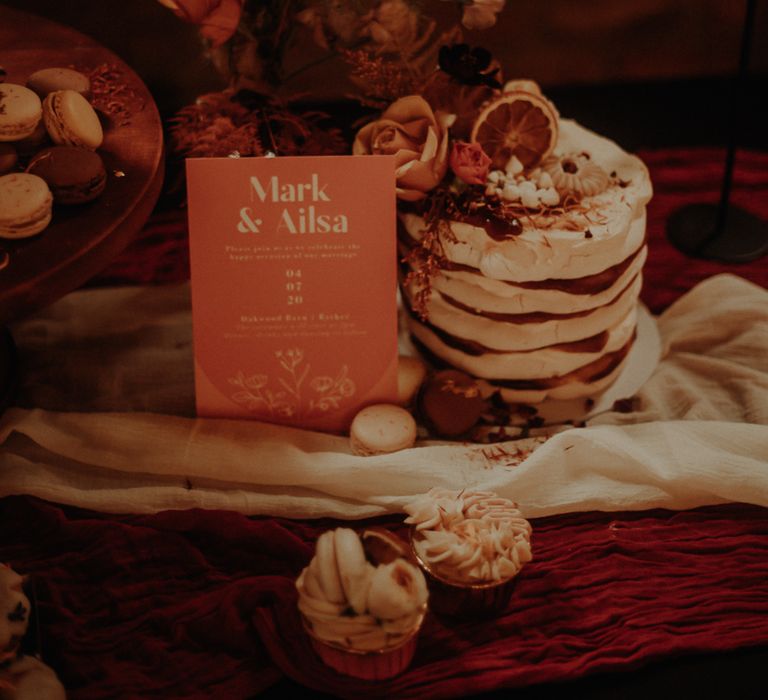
(362, 602)
(472, 545)
(22, 677)
(14, 612)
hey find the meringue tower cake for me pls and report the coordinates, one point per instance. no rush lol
(535, 288)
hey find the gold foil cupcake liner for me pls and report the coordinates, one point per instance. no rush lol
(461, 599)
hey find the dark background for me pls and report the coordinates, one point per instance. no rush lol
(644, 72)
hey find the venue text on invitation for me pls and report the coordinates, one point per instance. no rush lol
(293, 265)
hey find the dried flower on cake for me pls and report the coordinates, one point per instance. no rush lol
(469, 162)
(417, 137)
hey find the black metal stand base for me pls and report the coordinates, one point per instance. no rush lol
(743, 238)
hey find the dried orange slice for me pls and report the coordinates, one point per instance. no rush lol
(517, 123)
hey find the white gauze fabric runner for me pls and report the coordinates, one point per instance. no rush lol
(104, 420)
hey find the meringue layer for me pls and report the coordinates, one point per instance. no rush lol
(559, 251)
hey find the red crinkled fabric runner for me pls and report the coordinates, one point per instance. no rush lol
(158, 255)
(201, 604)
(692, 176)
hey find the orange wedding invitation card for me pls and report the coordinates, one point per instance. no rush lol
(293, 287)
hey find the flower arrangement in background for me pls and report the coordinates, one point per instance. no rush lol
(467, 145)
(218, 19)
(248, 39)
(383, 49)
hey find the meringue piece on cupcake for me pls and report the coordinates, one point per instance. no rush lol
(362, 603)
(472, 545)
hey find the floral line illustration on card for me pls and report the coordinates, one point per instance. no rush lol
(291, 399)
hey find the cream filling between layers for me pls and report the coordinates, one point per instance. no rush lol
(570, 390)
(537, 255)
(511, 337)
(617, 225)
(503, 297)
(537, 364)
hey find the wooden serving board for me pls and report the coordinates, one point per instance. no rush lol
(81, 240)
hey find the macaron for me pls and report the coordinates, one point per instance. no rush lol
(25, 205)
(74, 175)
(49, 80)
(71, 121)
(8, 158)
(382, 428)
(451, 403)
(411, 372)
(20, 112)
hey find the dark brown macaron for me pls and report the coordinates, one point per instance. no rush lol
(8, 158)
(50, 80)
(450, 403)
(74, 175)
